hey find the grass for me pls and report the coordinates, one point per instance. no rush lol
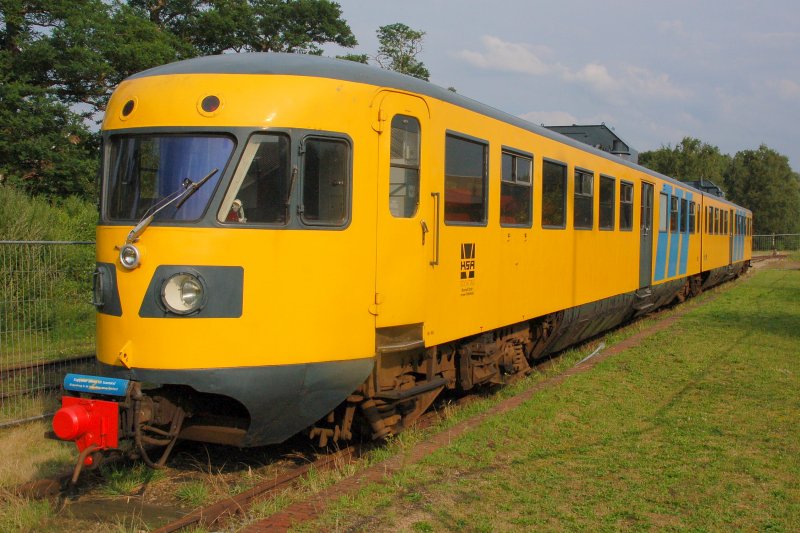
(22, 514)
(193, 493)
(28, 456)
(121, 479)
(694, 429)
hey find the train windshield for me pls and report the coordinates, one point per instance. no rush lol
(144, 169)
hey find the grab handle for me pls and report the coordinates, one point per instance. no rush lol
(437, 207)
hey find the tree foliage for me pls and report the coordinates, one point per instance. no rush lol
(398, 49)
(760, 180)
(60, 60)
(689, 160)
(763, 181)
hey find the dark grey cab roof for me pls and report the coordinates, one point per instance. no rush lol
(269, 63)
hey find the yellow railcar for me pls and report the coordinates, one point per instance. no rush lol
(292, 242)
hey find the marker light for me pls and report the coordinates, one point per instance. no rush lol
(183, 293)
(129, 256)
(210, 104)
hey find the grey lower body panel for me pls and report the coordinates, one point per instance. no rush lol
(281, 400)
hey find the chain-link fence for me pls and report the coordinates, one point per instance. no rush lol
(763, 244)
(46, 322)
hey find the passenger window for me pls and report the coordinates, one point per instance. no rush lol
(465, 180)
(404, 167)
(515, 190)
(692, 219)
(625, 206)
(716, 221)
(326, 181)
(607, 201)
(583, 215)
(259, 190)
(663, 219)
(554, 195)
(684, 215)
(673, 214)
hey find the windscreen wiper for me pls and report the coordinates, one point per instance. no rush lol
(181, 195)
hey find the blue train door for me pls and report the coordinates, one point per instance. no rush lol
(404, 230)
(646, 236)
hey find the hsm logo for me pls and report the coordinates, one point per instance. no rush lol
(468, 260)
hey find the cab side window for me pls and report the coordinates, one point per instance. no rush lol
(260, 187)
(326, 181)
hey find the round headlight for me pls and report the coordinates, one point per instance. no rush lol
(183, 293)
(129, 256)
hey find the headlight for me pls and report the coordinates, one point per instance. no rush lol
(183, 293)
(129, 256)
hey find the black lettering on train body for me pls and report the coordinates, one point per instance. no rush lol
(468, 260)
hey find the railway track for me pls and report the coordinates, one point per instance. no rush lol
(219, 514)
(36, 377)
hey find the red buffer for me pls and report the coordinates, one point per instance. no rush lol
(88, 422)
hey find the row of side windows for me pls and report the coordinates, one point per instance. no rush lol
(466, 189)
(718, 220)
(466, 185)
(677, 215)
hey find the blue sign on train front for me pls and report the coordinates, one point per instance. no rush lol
(96, 384)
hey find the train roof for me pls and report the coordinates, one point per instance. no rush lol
(271, 63)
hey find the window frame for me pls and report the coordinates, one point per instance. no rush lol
(405, 166)
(565, 182)
(516, 154)
(632, 203)
(692, 217)
(486, 155)
(683, 216)
(301, 180)
(613, 204)
(239, 176)
(663, 212)
(582, 172)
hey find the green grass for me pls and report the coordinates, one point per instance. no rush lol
(121, 479)
(694, 429)
(193, 493)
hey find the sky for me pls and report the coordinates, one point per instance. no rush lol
(726, 72)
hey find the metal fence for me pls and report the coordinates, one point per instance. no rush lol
(46, 323)
(776, 243)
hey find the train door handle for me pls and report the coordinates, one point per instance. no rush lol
(437, 207)
(424, 230)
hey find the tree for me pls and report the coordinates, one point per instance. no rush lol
(398, 50)
(763, 181)
(217, 26)
(60, 60)
(690, 160)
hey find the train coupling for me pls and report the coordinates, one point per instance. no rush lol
(90, 417)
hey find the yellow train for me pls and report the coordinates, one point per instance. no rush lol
(293, 243)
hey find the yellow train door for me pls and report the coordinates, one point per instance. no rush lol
(405, 228)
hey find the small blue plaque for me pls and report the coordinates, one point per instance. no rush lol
(96, 384)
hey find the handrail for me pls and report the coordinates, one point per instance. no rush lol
(437, 215)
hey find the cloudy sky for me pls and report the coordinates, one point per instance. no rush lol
(725, 71)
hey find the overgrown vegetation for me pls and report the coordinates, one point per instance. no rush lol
(693, 429)
(45, 288)
(761, 180)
